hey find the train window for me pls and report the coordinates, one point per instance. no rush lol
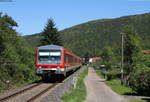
(68, 58)
(49, 57)
(55, 53)
(43, 58)
(44, 53)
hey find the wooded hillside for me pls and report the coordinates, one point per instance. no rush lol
(90, 37)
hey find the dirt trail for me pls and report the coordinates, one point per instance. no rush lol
(98, 91)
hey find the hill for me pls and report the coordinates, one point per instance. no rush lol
(90, 37)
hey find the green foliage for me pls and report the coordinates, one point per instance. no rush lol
(131, 45)
(50, 34)
(113, 73)
(137, 69)
(110, 61)
(108, 56)
(140, 80)
(17, 57)
(89, 38)
(131, 51)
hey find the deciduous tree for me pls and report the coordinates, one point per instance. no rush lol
(131, 51)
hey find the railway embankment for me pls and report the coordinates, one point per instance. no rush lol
(78, 91)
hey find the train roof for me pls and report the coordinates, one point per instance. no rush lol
(51, 47)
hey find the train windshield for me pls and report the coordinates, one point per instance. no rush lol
(49, 57)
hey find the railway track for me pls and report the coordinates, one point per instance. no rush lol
(32, 93)
(24, 94)
(19, 92)
(41, 93)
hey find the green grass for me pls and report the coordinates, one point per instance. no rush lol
(115, 85)
(77, 94)
(139, 101)
(99, 73)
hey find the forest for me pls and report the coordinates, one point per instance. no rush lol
(90, 37)
(16, 56)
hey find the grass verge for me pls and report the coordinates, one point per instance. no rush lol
(139, 101)
(77, 94)
(99, 73)
(115, 85)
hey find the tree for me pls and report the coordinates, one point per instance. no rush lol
(107, 56)
(50, 34)
(131, 51)
(16, 56)
(109, 60)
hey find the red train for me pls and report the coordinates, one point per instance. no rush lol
(55, 60)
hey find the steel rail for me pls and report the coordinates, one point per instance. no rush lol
(19, 92)
(41, 93)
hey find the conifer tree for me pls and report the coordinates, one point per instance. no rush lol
(50, 34)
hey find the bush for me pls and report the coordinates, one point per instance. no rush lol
(113, 74)
(140, 80)
(110, 73)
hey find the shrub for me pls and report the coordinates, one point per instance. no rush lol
(140, 80)
(113, 74)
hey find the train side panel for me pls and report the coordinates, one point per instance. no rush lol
(71, 61)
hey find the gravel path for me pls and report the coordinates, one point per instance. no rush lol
(98, 91)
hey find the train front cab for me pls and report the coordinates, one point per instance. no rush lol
(49, 62)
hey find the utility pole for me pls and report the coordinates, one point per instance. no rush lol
(122, 55)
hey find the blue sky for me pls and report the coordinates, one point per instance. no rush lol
(32, 15)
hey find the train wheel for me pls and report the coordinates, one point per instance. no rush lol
(60, 77)
(43, 77)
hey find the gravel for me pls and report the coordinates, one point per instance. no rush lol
(98, 91)
(10, 92)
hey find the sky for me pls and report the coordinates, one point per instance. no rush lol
(32, 15)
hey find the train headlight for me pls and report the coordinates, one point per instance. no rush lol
(40, 67)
